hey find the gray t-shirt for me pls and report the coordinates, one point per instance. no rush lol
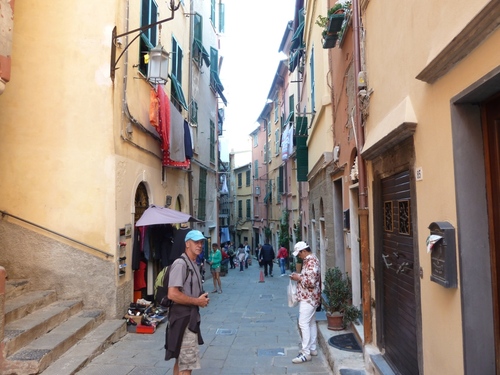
(192, 287)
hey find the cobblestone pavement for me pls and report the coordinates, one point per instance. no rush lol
(248, 329)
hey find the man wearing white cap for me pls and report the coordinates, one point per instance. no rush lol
(309, 297)
(186, 291)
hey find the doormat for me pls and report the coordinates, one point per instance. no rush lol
(346, 341)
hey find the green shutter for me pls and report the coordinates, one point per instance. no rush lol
(177, 92)
(222, 16)
(302, 159)
(301, 150)
(280, 180)
(202, 194)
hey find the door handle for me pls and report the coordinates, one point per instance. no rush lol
(384, 257)
(404, 267)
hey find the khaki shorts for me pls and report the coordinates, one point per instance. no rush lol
(189, 356)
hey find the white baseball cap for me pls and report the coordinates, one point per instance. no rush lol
(301, 245)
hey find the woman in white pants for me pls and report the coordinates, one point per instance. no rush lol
(309, 297)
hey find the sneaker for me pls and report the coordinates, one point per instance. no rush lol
(301, 358)
(314, 353)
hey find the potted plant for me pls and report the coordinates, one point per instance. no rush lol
(337, 300)
(333, 23)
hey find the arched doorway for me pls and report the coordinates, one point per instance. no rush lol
(141, 201)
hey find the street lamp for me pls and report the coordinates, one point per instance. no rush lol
(158, 65)
(116, 41)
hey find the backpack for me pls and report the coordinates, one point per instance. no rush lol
(162, 292)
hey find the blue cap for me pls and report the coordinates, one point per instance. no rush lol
(194, 235)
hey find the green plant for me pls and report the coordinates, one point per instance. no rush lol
(297, 229)
(267, 233)
(284, 233)
(322, 21)
(337, 295)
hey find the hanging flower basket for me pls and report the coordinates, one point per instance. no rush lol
(330, 41)
(335, 22)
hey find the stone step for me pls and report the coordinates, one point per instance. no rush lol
(15, 288)
(21, 332)
(23, 305)
(37, 355)
(88, 348)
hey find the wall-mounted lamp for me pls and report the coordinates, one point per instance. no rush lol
(158, 65)
(116, 41)
(168, 201)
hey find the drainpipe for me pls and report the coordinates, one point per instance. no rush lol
(363, 191)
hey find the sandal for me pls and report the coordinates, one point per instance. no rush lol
(220, 291)
(214, 291)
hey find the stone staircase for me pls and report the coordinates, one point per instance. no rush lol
(45, 335)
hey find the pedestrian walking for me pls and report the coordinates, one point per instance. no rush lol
(282, 257)
(215, 259)
(241, 256)
(230, 252)
(257, 253)
(308, 295)
(267, 257)
(185, 289)
(247, 254)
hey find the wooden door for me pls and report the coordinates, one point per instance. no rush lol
(398, 279)
(491, 133)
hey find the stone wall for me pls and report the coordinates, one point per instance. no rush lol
(72, 272)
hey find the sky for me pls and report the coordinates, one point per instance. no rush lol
(249, 47)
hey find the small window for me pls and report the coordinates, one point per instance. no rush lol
(248, 177)
(249, 213)
(277, 142)
(193, 112)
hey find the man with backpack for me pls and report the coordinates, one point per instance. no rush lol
(185, 291)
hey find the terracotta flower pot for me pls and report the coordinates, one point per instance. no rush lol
(335, 321)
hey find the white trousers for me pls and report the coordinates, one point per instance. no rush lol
(308, 328)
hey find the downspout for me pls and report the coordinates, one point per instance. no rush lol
(190, 170)
(362, 188)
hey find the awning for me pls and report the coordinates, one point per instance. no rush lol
(178, 93)
(217, 85)
(294, 60)
(298, 35)
(161, 215)
(198, 48)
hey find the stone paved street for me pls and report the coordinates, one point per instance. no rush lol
(248, 329)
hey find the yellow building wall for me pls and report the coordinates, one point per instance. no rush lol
(67, 162)
(56, 121)
(422, 31)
